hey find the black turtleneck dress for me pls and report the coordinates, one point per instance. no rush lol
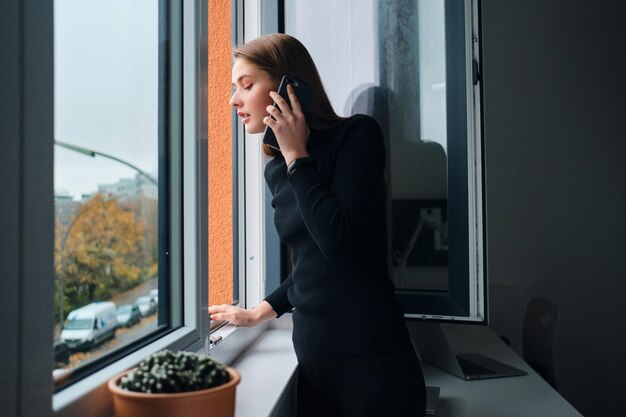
(331, 213)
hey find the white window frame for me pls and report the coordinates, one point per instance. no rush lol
(251, 209)
(253, 165)
(478, 284)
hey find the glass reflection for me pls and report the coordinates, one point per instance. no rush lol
(388, 60)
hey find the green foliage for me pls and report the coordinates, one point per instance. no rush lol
(169, 372)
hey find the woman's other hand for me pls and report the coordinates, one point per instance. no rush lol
(289, 125)
(241, 316)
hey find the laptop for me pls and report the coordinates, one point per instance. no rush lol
(433, 347)
(476, 366)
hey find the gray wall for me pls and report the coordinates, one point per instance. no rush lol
(26, 214)
(555, 155)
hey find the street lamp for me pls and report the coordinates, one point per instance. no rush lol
(93, 154)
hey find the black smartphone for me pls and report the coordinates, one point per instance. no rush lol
(303, 92)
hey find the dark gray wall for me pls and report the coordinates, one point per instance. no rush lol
(555, 155)
(26, 212)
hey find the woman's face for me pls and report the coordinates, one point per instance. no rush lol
(251, 97)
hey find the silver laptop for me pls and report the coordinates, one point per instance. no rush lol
(476, 366)
(433, 347)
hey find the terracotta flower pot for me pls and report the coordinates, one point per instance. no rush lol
(212, 402)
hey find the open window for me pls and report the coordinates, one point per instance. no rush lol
(413, 66)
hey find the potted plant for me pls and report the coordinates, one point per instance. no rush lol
(169, 384)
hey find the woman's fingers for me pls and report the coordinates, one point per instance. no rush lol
(219, 308)
(282, 104)
(274, 112)
(289, 126)
(293, 98)
(219, 312)
(235, 315)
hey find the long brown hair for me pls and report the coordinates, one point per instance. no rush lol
(279, 54)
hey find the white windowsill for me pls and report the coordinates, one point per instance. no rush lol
(265, 367)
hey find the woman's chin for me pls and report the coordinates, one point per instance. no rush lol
(254, 129)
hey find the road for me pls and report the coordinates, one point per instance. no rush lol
(123, 335)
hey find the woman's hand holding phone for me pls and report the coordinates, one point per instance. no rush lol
(289, 125)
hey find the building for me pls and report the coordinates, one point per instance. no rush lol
(130, 188)
(64, 208)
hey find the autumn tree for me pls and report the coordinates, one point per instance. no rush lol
(146, 213)
(99, 253)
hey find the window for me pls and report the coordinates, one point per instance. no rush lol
(110, 183)
(171, 94)
(409, 64)
(130, 90)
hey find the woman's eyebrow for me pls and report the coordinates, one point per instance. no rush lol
(241, 77)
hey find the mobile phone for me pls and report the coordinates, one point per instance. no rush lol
(303, 92)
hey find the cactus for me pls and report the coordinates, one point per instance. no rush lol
(169, 372)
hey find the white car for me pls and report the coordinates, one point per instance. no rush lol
(88, 326)
(146, 305)
(154, 294)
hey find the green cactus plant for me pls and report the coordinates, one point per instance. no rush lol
(173, 372)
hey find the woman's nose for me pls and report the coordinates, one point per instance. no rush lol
(234, 100)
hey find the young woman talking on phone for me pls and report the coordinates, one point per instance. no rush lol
(328, 184)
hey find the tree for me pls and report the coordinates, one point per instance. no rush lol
(146, 212)
(99, 253)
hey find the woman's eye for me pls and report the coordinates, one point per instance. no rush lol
(249, 86)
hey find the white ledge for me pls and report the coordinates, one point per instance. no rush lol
(265, 367)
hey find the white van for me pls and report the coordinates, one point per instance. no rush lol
(90, 325)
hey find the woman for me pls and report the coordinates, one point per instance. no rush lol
(354, 353)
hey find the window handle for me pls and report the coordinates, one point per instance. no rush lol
(475, 73)
(214, 341)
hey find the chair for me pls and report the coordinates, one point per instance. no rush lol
(538, 337)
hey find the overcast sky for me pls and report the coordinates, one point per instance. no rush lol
(106, 90)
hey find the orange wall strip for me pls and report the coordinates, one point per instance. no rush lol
(220, 154)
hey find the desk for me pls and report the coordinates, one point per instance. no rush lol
(267, 386)
(519, 396)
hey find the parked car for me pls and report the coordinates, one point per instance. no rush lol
(146, 305)
(154, 294)
(128, 315)
(61, 354)
(89, 326)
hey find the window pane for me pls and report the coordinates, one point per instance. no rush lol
(391, 61)
(404, 63)
(107, 99)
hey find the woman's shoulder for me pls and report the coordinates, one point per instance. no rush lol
(360, 136)
(361, 120)
(355, 134)
(363, 129)
(357, 125)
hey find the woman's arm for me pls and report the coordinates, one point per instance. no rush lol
(336, 213)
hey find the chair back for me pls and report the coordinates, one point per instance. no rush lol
(538, 337)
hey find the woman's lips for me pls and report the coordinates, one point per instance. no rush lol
(245, 118)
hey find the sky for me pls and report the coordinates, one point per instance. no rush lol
(106, 90)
